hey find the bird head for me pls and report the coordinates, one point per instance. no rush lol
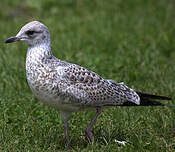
(34, 33)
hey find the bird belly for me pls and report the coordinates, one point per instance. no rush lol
(55, 100)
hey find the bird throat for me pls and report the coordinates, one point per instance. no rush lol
(38, 52)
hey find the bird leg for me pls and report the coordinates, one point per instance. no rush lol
(66, 133)
(88, 130)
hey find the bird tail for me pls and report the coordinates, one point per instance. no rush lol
(148, 100)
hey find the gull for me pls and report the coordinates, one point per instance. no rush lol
(69, 87)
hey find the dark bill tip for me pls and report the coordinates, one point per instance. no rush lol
(12, 39)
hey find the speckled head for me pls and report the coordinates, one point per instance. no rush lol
(34, 33)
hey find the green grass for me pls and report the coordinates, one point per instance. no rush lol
(130, 41)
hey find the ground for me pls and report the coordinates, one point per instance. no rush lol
(129, 41)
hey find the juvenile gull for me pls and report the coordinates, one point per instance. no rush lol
(69, 87)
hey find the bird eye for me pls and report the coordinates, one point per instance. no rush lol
(30, 33)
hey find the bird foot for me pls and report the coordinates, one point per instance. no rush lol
(68, 147)
(89, 135)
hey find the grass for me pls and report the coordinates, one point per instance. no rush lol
(130, 41)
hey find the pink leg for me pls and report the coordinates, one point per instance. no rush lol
(66, 133)
(88, 130)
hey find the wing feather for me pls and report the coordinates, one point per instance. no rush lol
(89, 89)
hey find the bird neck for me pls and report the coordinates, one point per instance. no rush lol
(39, 51)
